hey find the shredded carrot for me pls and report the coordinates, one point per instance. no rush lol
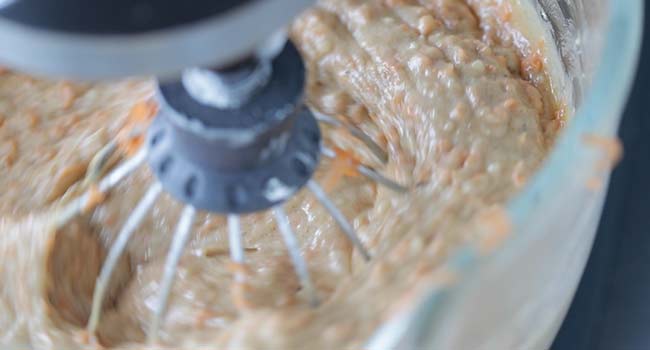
(239, 287)
(510, 104)
(95, 198)
(12, 153)
(132, 144)
(68, 95)
(140, 116)
(202, 317)
(533, 63)
(238, 293)
(58, 132)
(519, 177)
(345, 164)
(496, 225)
(84, 337)
(611, 147)
(65, 178)
(238, 269)
(143, 112)
(505, 12)
(72, 121)
(33, 120)
(594, 184)
(47, 153)
(349, 160)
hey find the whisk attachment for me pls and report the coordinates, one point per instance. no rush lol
(183, 233)
(224, 161)
(237, 160)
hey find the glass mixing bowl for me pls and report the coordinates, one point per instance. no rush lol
(517, 296)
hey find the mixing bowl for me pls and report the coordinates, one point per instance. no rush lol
(516, 297)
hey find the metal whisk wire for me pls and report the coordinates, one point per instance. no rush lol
(116, 251)
(179, 241)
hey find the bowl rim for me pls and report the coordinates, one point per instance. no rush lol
(607, 96)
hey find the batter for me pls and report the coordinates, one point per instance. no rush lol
(452, 89)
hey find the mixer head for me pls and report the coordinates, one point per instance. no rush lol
(119, 38)
(231, 139)
(241, 159)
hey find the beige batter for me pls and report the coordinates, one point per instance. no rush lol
(453, 91)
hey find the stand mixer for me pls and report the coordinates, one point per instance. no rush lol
(231, 135)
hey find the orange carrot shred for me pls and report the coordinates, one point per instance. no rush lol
(497, 225)
(238, 294)
(611, 147)
(202, 317)
(68, 95)
(141, 115)
(95, 198)
(238, 269)
(345, 164)
(350, 160)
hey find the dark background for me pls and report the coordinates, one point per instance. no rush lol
(611, 309)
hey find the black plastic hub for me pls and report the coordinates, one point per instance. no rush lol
(114, 16)
(237, 160)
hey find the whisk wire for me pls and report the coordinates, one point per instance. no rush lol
(116, 251)
(179, 241)
(372, 174)
(235, 242)
(121, 171)
(338, 216)
(377, 150)
(78, 205)
(369, 173)
(292, 245)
